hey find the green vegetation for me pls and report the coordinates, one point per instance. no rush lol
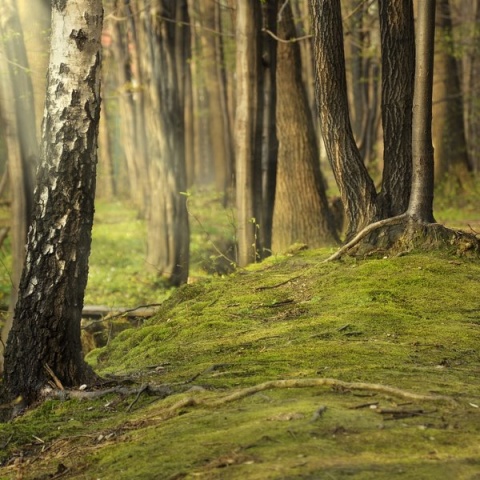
(410, 322)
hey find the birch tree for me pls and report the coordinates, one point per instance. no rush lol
(44, 342)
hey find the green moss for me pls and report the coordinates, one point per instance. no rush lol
(411, 322)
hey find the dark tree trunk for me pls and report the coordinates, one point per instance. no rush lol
(421, 198)
(167, 221)
(265, 180)
(452, 166)
(356, 187)
(398, 71)
(46, 327)
(301, 213)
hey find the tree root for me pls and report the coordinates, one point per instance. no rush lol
(412, 234)
(363, 233)
(302, 383)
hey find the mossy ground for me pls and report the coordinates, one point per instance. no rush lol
(411, 322)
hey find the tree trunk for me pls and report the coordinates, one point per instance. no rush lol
(398, 71)
(46, 327)
(247, 31)
(19, 109)
(167, 220)
(106, 174)
(356, 187)
(471, 85)
(267, 143)
(221, 143)
(421, 198)
(301, 212)
(452, 166)
(131, 102)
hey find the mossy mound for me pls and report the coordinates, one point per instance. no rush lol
(411, 322)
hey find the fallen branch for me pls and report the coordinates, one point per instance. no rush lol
(363, 233)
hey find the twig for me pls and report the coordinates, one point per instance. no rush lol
(209, 237)
(140, 391)
(475, 232)
(3, 235)
(267, 287)
(55, 379)
(9, 439)
(363, 233)
(285, 40)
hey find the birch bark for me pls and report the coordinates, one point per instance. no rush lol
(46, 326)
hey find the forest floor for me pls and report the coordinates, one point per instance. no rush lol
(289, 369)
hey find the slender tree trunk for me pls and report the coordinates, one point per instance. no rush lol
(398, 71)
(167, 220)
(221, 143)
(106, 175)
(267, 143)
(301, 213)
(138, 86)
(356, 187)
(471, 85)
(452, 164)
(421, 198)
(130, 92)
(247, 31)
(46, 328)
(19, 109)
(359, 75)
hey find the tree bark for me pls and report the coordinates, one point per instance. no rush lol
(452, 165)
(46, 327)
(301, 212)
(398, 71)
(421, 198)
(163, 72)
(356, 187)
(265, 177)
(247, 31)
(221, 143)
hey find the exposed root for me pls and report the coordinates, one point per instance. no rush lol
(405, 233)
(302, 383)
(363, 233)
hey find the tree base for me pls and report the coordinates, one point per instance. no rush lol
(402, 234)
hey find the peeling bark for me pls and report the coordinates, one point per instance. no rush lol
(46, 327)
